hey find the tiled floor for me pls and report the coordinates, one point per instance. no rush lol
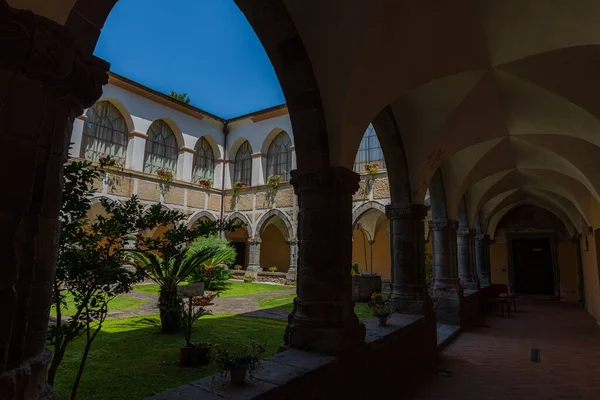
(492, 360)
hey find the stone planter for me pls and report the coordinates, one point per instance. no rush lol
(363, 286)
(197, 353)
(382, 321)
(238, 376)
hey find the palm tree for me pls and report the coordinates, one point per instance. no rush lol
(168, 272)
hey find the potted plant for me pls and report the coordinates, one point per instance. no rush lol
(238, 362)
(237, 267)
(355, 269)
(248, 278)
(205, 182)
(273, 182)
(193, 353)
(164, 175)
(380, 308)
(273, 269)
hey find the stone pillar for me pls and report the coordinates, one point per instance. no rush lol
(407, 243)
(254, 259)
(473, 246)
(45, 83)
(323, 319)
(466, 273)
(292, 271)
(482, 243)
(185, 162)
(446, 288)
(136, 149)
(577, 240)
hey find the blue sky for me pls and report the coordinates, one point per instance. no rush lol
(206, 48)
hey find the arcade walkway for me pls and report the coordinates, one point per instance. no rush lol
(492, 360)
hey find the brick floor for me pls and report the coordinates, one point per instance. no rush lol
(494, 362)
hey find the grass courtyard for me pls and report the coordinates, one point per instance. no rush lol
(130, 360)
(118, 303)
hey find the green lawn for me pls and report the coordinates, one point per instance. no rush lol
(118, 303)
(130, 360)
(237, 289)
(285, 303)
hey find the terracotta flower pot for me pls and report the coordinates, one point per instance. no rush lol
(238, 376)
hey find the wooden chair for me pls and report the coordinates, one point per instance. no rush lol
(498, 294)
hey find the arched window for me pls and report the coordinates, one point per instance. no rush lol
(279, 157)
(369, 151)
(204, 161)
(161, 148)
(104, 133)
(242, 170)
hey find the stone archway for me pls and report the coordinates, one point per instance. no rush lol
(275, 232)
(371, 240)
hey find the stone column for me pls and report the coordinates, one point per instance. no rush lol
(254, 259)
(465, 271)
(323, 319)
(482, 243)
(473, 247)
(292, 271)
(446, 288)
(407, 241)
(45, 83)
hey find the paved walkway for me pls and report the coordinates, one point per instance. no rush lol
(246, 305)
(492, 361)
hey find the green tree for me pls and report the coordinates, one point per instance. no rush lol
(183, 97)
(90, 259)
(211, 272)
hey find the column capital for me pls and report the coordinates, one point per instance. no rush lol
(47, 51)
(406, 211)
(442, 224)
(292, 242)
(254, 241)
(334, 180)
(464, 232)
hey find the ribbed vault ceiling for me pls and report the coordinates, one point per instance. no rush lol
(502, 95)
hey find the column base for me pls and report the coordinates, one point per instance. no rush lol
(254, 268)
(291, 275)
(447, 309)
(326, 340)
(470, 281)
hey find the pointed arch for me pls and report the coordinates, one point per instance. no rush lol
(274, 213)
(105, 133)
(242, 164)
(198, 216)
(244, 220)
(279, 156)
(364, 208)
(203, 164)
(161, 148)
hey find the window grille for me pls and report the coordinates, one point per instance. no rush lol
(104, 133)
(279, 157)
(369, 151)
(161, 148)
(204, 161)
(242, 171)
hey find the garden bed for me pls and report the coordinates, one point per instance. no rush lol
(280, 278)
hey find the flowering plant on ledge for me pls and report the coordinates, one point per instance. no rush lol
(372, 169)
(110, 163)
(205, 182)
(164, 175)
(233, 360)
(380, 308)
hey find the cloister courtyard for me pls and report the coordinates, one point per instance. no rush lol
(396, 199)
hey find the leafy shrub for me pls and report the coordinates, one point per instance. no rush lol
(213, 272)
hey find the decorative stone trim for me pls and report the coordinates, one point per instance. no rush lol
(185, 149)
(442, 224)
(482, 238)
(259, 154)
(222, 160)
(139, 134)
(82, 117)
(411, 211)
(254, 241)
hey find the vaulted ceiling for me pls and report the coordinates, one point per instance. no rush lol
(502, 95)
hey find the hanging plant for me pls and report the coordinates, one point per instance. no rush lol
(237, 186)
(111, 166)
(372, 169)
(205, 182)
(164, 175)
(273, 182)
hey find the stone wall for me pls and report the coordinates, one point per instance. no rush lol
(279, 278)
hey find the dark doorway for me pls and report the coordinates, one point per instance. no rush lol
(240, 249)
(533, 267)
